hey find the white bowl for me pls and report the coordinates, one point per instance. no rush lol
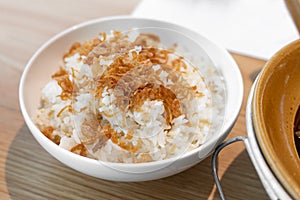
(37, 74)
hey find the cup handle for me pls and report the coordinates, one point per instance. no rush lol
(214, 163)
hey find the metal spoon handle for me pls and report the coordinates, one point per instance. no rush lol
(214, 163)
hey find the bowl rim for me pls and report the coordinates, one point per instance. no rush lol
(260, 127)
(230, 122)
(271, 184)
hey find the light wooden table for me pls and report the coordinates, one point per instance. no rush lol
(28, 172)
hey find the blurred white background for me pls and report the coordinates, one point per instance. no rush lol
(257, 28)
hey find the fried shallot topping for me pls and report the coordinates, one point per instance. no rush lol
(79, 149)
(171, 103)
(139, 71)
(85, 48)
(48, 132)
(67, 86)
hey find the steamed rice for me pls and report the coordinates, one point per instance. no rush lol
(128, 99)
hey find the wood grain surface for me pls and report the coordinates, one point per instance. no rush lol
(28, 172)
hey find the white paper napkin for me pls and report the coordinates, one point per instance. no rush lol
(256, 28)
